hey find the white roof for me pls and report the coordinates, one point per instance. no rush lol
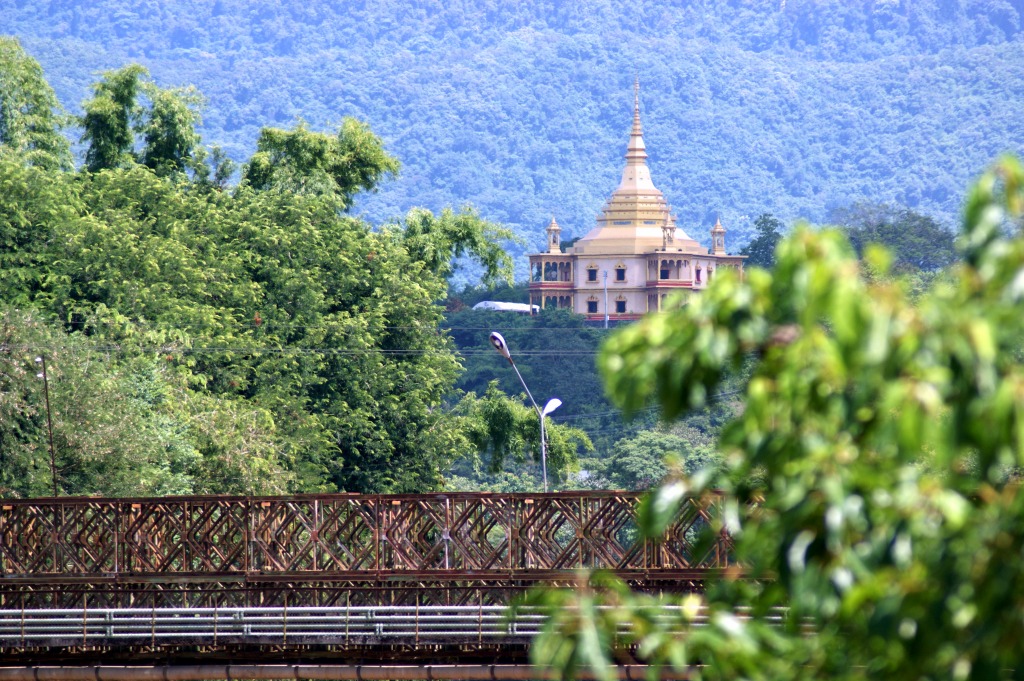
(504, 307)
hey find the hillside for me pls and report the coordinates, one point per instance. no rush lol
(796, 108)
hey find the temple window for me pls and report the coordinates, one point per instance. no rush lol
(664, 271)
(536, 272)
(592, 306)
(591, 273)
(550, 271)
(620, 273)
(620, 306)
(698, 274)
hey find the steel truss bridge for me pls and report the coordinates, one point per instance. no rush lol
(318, 578)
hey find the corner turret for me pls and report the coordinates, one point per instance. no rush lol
(554, 237)
(718, 238)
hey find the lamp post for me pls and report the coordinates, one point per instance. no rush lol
(605, 272)
(554, 403)
(41, 360)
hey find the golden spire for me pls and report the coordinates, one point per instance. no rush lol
(636, 176)
(636, 151)
(636, 107)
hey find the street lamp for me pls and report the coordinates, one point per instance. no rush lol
(41, 360)
(605, 272)
(554, 403)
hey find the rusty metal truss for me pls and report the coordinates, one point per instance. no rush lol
(334, 550)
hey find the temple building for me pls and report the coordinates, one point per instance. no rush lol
(635, 256)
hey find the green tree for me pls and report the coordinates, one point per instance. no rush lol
(916, 242)
(760, 251)
(169, 131)
(555, 351)
(287, 345)
(870, 479)
(501, 427)
(34, 201)
(30, 115)
(214, 170)
(330, 357)
(111, 117)
(643, 460)
(304, 161)
(440, 240)
(115, 432)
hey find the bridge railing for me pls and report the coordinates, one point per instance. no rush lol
(347, 626)
(347, 536)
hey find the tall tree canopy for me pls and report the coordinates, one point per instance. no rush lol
(916, 242)
(30, 115)
(304, 161)
(201, 340)
(169, 133)
(111, 117)
(126, 102)
(760, 251)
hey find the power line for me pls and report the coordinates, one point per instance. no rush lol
(645, 410)
(265, 324)
(173, 350)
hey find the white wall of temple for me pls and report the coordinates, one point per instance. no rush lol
(632, 302)
(703, 269)
(633, 268)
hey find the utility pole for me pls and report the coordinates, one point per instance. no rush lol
(41, 360)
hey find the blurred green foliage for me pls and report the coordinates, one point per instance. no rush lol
(870, 483)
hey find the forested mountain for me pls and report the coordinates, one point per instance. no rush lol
(796, 107)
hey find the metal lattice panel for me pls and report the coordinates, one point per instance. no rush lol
(342, 549)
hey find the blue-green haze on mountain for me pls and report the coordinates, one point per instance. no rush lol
(796, 107)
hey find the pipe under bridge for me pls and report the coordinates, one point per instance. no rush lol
(418, 578)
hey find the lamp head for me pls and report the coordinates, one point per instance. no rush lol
(499, 344)
(553, 404)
